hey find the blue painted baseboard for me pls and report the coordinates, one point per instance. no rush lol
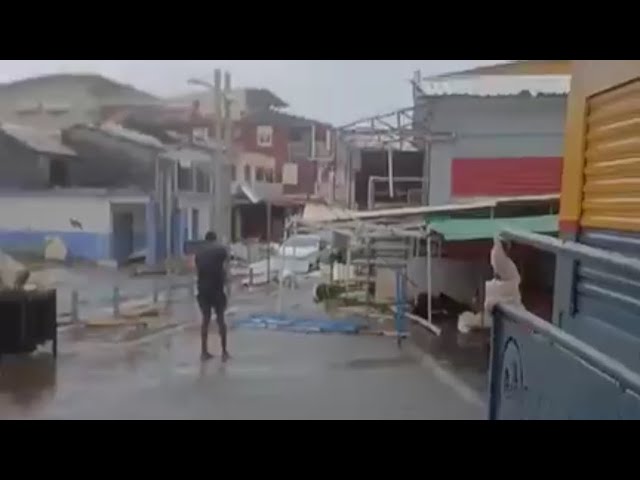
(80, 245)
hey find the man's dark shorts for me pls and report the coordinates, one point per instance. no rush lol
(212, 301)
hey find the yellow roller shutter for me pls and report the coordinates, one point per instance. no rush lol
(611, 192)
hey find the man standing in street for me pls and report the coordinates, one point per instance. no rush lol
(211, 267)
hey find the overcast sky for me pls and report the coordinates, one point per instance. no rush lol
(337, 91)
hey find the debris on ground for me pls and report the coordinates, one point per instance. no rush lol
(286, 323)
(55, 249)
(324, 291)
(13, 274)
(468, 321)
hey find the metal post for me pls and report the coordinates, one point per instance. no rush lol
(281, 267)
(154, 287)
(390, 170)
(224, 195)
(400, 305)
(426, 171)
(169, 293)
(371, 193)
(216, 124)
(369, 271)
(429, 275)
(268, 243)
(74, 306)
(116, 301)
(348, 275)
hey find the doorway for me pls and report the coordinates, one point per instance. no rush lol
(122, 236)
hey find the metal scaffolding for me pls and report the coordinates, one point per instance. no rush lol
(395, 131)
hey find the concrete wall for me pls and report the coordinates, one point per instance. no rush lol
(490, 127)
(27, 219)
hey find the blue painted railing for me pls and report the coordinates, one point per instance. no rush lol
(541, 371)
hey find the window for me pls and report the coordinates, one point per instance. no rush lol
(268, 175)
(264, 136)
(185, 178)
(247, 174)
(58, 173)
(233, 173)
(202, 181)
(295, 135)
(259, 174)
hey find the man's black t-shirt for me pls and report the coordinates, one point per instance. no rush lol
(210, 265)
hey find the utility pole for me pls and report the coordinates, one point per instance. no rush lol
(221, 153)
(216, 124)
(227, 164)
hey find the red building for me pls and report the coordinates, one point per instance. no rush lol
(276, 152)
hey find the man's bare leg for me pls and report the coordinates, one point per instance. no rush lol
(222, 331)
(204, 337)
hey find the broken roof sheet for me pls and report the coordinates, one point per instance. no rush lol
(127, 134)
(318, 212)
(333, 214)
(39, 140)
(242, 189)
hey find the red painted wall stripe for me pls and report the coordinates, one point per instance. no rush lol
(478, 177)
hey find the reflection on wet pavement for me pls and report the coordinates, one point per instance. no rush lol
(271, 375)
(26, 381)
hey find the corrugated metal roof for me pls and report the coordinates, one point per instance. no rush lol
(118, 131)
(461, 229)
(321, 213)
(496, 85)
(41, 141)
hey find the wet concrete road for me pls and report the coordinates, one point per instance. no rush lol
(271, 376)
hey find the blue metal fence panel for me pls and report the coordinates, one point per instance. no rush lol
(607, 299)
(540, 372)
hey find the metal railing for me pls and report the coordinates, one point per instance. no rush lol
(616, 371)
(161, 293)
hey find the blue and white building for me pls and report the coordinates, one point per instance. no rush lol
(118, 193)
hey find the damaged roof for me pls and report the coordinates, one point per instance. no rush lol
(101, 88)
(185, 154)
(496, 85)
(252, 97)
(278, 118)
(116, 130)
(38, 140)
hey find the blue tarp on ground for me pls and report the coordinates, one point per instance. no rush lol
(291, 323)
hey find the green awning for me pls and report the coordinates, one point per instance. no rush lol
(459, 229)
